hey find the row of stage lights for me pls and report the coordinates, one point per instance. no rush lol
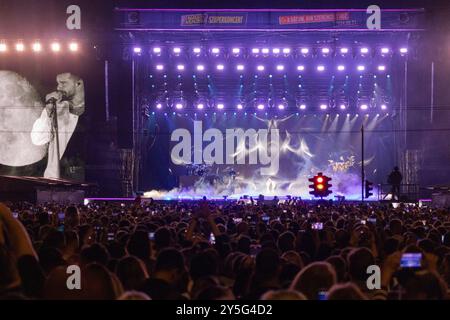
(265, 52)
(281, 106)
(261, 68)
(38, 47)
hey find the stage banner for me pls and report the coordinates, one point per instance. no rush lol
(339, 19)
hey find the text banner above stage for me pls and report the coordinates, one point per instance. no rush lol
(237, 19)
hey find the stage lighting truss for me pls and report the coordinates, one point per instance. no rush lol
(38, 46)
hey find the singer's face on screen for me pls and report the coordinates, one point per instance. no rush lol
(67, 84)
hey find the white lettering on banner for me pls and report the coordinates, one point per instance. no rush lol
(260, 146)
(73, 22)
(74, 280)
(374, 20)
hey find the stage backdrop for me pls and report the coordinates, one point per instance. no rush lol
(236, 154)
(28, 137)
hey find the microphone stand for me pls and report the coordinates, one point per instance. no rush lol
(55, 130)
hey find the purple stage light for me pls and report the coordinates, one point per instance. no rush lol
(179, 106)
(281, 106)
(364, 50)
(383, 107)
(286, 50)
(304, 50)
(176, 50)
(260, 107)
(325, 50)
(385, 50)
(255, 50)
(159, 67)
(300, 67)
(363, 107)
(239, 106)
(200, 106)
(236, 50)
(342, 106)
(323, 107)
(381, 68)
(260, 68)
(341, 67)
(137, 49)
(265, 50)
(215, 50)
(200, 67)
(196, 50)
(157, 50)
(320, 68)
(240, 67)
(180, 67)
(276, 50)
(403, 50)
(302, 106)
(220, 67)
(361, 68)
(158, 106)
(344, 50)
(280, 67)
(220, 106)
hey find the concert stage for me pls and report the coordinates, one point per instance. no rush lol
(40, 190)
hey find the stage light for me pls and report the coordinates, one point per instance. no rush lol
(276, 50)
(158, 106)
(403, 50)
(364, 50)
(320, 68)
(37, 47)
(341, 67)
(265, 50)
(200, 106)
(325, 50)
(255, 50)
(280, 67)
(159, 67)
(215, 50)
(381, 68)
(73, 46)
(323, 107)
(361, 68)
(220, 67)
(157, 50)
(56, 47)
(281, 106)
(135, 49)
(300, 68)
(384, 50)
(236, 50)
(342, 106)
(20, 47)
(196, 50)
(363, 107)
(220, 106)
(344, 50)
(176, 50)
(179, 106)
(383, 107)
(304, 50)
(260, 68)
(302, 107)
(260, 107)
(200, 67)
(239, 106)
(3, 47)
(180, 67)
(286, 50)
(240, 67)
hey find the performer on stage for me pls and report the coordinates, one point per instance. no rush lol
(67, 104)
(395, 179)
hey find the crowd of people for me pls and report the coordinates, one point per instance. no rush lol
(205, 250)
